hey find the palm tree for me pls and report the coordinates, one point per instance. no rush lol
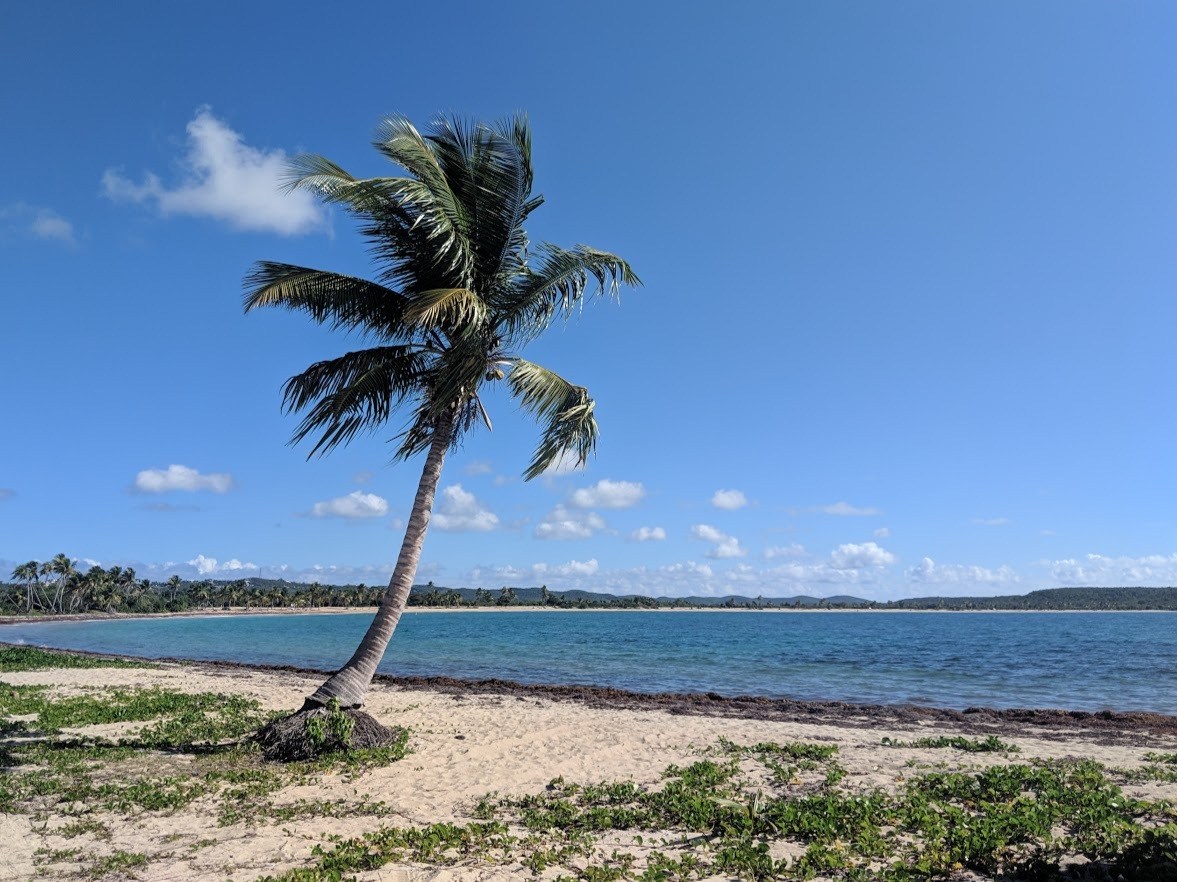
(459, 290)
(173, 585)
(30, 574)
(63, 568)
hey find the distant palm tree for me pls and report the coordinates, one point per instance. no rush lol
(63, 568)
(173, 585)
(30, 574)
(459, 289)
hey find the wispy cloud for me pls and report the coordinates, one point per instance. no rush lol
(6, 493)
(928, 572)
(181, 477)
(225, 179)
(845, 509)
(648, 534)
(25, 220)
(167, 507)
(563, 523)
(572, 568)
(608, 494)
(991, 522)
(775, 551)
(1099, 569)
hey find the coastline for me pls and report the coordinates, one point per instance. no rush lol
(1106, 726)
(473, 738)
(544, 610)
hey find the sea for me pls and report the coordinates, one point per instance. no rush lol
(1073, 660)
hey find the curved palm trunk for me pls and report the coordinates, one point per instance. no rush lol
(349, 685)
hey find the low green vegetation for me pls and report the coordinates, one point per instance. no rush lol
(721, 816)
(30, 658)
(172, 749)
(989, 744)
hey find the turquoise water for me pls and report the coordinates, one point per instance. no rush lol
(1076, 661)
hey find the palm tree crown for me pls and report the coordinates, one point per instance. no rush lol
(460, 289)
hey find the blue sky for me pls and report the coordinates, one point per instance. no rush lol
(906, 325)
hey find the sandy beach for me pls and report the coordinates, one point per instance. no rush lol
(468, 741)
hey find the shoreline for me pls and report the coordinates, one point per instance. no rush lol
(1112, 727)
(335, 610)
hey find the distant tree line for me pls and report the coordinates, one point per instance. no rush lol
(58, 587)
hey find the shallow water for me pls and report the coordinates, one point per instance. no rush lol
(1077, 661)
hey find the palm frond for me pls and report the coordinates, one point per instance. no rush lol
(449, 310)
(567, 410)
(488, 168)
(331, 299)
(357, 391)
(558, 283)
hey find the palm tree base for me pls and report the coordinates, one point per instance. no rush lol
(313, 732)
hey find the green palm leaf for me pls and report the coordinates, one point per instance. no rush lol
(558, 284)
(358, 391)
(567, 410)
(331, 299)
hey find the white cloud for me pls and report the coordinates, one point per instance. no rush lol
(356, 504)
(927, 571)
(723, 545)
(608, 494)
(209, 566)
(1100, 570)
(648, 534)
(794, 550)
(729, 500)
(477, 467)
(845, 509)
(572, 568)
(459, 511)
(42, 223)
(180, 477)
(227, 180)
(991, 522)
(882, 533)
(561, 523)
(855, 557)
(363, 477)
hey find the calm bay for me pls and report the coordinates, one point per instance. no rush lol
(1074, 661)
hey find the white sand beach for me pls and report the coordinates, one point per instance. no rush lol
(464, 746)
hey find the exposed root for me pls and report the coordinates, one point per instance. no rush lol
(314, 732)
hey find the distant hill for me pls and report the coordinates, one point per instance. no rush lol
(1054, 599)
